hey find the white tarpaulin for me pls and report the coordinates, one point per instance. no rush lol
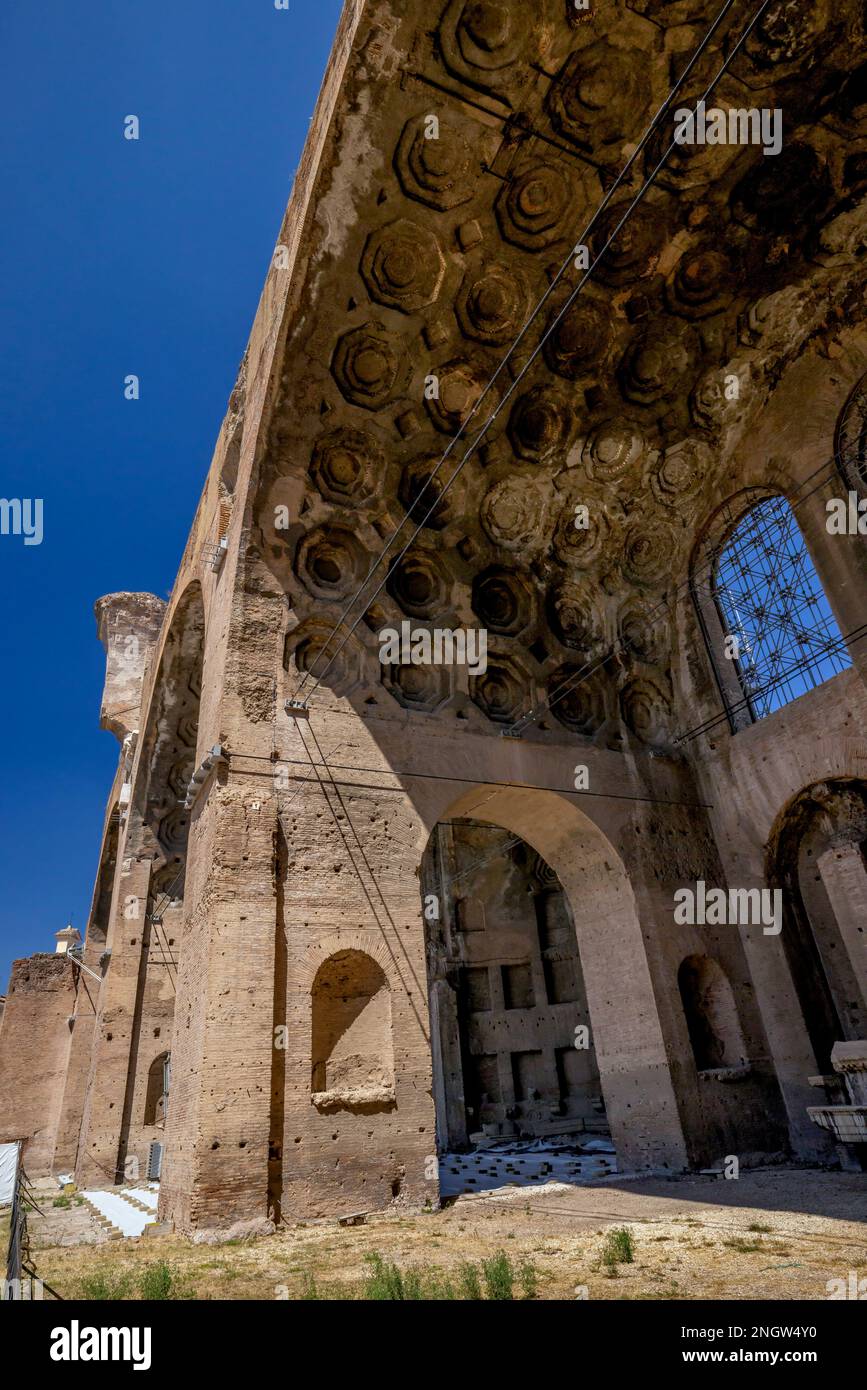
(8, 1171)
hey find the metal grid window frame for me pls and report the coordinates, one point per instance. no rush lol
(767, 593)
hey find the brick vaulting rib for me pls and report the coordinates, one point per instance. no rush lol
(269, 929)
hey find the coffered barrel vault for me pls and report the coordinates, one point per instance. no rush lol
(352, 994)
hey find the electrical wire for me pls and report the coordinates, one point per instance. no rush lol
(469, 781)
(578, 677)
(650, 131)
(842, 643)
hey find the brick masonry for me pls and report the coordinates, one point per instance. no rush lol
(267, 928)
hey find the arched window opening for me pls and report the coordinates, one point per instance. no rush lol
(711, 1015)
(157, 1095)
(771, 633)
(352, 1049)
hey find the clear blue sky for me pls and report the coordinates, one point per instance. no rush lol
(117, 257)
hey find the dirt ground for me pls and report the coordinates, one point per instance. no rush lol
(775, 1233)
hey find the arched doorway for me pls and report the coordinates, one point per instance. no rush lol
(515, 1075)
(533, 940)
(816, 854)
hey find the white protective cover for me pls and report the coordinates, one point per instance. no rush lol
(8, 1172)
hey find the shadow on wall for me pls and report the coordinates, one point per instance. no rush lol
(711, 1015)
(353, 1057)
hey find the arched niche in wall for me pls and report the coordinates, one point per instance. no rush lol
(816, 856)
(156, 1095)
(711, 1015)
(352, 1048)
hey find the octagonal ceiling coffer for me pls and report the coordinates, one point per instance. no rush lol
(503, 600)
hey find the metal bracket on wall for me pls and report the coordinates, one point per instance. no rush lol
(86, 968)
(214, 555)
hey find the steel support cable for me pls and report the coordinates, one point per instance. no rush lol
(160, 907)
(840, 644)
(578, 677)
(155, 920)
(326, 760)
(396, 939)
(506, 398)
(470, 781)
(622, 176)
(488, 859)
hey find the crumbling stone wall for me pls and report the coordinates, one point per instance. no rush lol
(137, 1002)
(453, 160)
(34, 1050)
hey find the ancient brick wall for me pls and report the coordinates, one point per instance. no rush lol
(453, 160)
(34, 1049)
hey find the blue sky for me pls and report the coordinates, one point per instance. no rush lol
(118, 257)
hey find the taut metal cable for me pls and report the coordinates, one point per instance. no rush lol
(648, 134)
(588, 669)
(470, 781)
(842, 643)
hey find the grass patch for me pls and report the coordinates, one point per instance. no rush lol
(154, 1283)
(529, 1280)
(469, 1284)
(160, 1282)
(619, 1248)
(499, 1276)
(744, 1247)
(106, 1287)
(386, 1282)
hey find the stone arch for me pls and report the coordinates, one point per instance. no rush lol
(511, 1039)
(157, 837)
(345, 939)
(351, 1047)
(711, 1014)
(99, 920)
(816, 855)
(850, 439)
(169, 749)
(627, 1036)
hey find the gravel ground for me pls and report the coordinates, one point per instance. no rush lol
(775, 1233)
